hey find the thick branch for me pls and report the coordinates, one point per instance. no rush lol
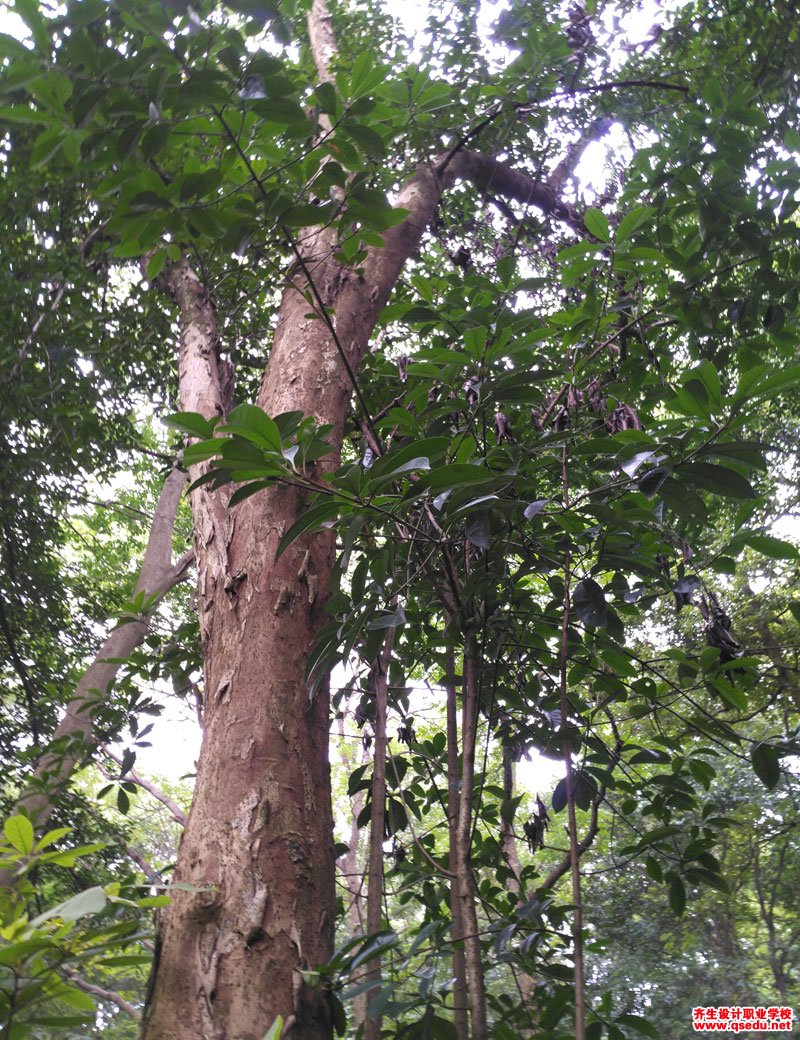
(497, 178)
(566, 167)
(75, 734)
(205, 385)
(202, 381)
(322, 39)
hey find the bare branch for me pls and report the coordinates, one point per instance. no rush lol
(497, 178)
(152, 875)
(566, 167)
(563, 867)
(102, 994)
(322, 39)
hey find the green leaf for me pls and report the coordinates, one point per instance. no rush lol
(155, 265)
(767, 545)
(283, 111)
(369, 141)
(596, 223)
(708, 378)
(766, 764)
(201, 452)
(584, 789)
(478, 530)
(677, 896)
(75, 998)
(275, 1030)
(758, 382)
(312, 518)
(19, 833)
(639, 1025)
(45, 146)
(590, 605)
(51, 838)
(192, 423)
(253, 423)
(308, 215)
(718, 479)
(633, 220)
(90, 901)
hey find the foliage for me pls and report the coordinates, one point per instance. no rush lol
(40, 955)
(565, 456)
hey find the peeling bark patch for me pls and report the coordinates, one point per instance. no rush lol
(284, 598)
(224, 688)
(232, 583)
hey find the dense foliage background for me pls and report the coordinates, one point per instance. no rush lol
(565, 504)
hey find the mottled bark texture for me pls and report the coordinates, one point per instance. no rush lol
(377, 823)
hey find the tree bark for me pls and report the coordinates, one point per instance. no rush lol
(377, 824)
(258, 843)
(354, 876)
(470, 701)
(460, 992)
(526, 983)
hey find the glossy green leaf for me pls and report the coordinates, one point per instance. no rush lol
(677, 896)
(597, 224)
(766, 764)
(19, 833)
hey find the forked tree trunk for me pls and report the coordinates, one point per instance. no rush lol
(255, 903)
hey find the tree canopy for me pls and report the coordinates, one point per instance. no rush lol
(453, 359)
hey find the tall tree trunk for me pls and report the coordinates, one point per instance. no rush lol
(353, 876)
(377, 823)
(525, 982)
(255, 865)
(460, 992)
(470, 700)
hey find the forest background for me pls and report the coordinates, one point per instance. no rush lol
(454, 359)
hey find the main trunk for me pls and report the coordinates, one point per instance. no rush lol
(254, 906)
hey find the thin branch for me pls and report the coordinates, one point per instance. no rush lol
(175, 811)
(102, 994)
(152, 875)
(22, 673)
